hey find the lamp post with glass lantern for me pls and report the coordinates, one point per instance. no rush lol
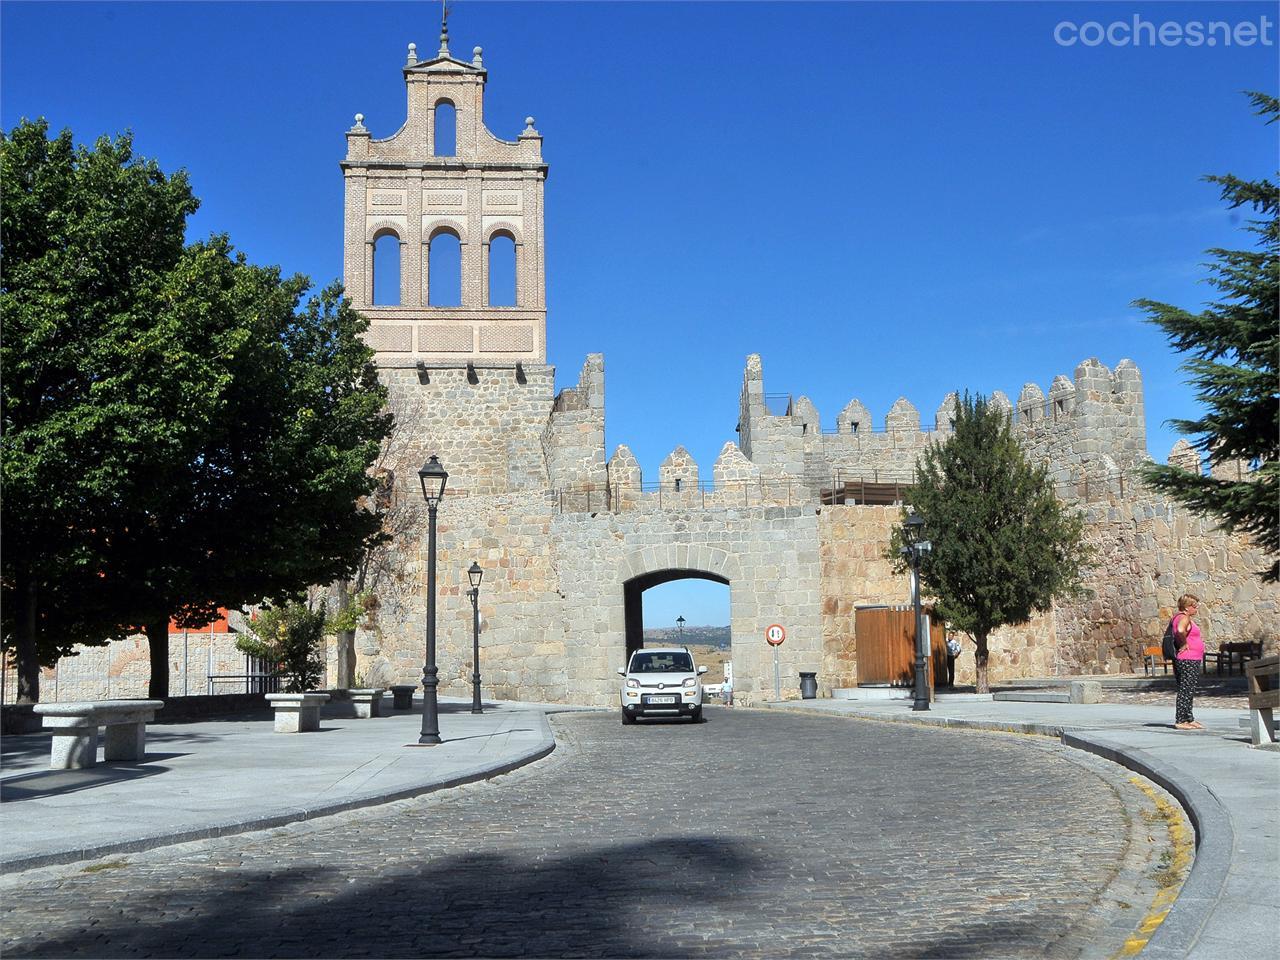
(433, 478)
(475, 575)
(915, 548)
(680, 626)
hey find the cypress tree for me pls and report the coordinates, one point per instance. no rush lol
(1004, 546)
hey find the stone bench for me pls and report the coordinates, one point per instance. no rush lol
(367, 703)
(75, 730)
(1079, 691)
(1264, 700)
(402, 696)
(297, 712)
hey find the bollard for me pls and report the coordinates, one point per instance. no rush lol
(808, 685)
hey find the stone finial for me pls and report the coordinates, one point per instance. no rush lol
(359, 127)
(444, 29)
(1030, 403)
(413, 55)
(732, 467)
(805, 414)
(529, 130)
(1127, 377)
(944, 418)
(1184, 456)
(854, 418)
(902, 416)
(476, 59)
(623, 468)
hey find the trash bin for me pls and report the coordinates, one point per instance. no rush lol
(808, 685)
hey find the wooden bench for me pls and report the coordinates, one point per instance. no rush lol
(297, 712)
(367, 702)
(75, 730)
(1232, 653)
(1264, 697)
(1153, 655)
(402, 696)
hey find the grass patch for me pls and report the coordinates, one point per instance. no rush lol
(108, 865)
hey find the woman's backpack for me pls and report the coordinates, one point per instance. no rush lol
(1169, 645)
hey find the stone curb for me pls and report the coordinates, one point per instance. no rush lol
(1214, 838)
(230, 828)
(1215, 841)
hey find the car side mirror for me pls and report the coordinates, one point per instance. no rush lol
(701, 671)
(622, 673)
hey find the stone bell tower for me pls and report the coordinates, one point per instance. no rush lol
(487, 188)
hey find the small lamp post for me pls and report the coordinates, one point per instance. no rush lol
(433, 478)
(475, 574)
(916, 546)
(680, 626)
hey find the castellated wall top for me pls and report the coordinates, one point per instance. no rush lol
(444, 173)
(1092, 425)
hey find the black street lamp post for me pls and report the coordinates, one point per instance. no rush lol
(680, 626)
(913, 530)
(475, 574)
(433, 478)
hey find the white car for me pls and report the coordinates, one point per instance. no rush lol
(661, 682)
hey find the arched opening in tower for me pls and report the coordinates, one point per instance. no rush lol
(502, 270)
(386, 270)
(446, 130)
(680, 607)
(444, 270)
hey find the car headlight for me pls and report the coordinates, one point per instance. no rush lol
(691, 682)
(632, 682)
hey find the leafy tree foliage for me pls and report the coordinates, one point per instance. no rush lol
(1234, 346)
(1004, 546)
(181, 432)
(289, 635)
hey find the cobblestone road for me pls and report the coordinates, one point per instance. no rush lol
(752, 835)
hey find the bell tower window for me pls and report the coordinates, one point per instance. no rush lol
(502, 270)
(444, 270)
(446, 130)
(386, 270)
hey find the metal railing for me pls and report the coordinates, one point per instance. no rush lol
(259, 676)
(871, 488)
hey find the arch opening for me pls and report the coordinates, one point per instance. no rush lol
(446, 129)
(701, 598)
(444, 270)
(502, 270)
(386, 270)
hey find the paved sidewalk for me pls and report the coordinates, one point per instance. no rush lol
(1230, 904)
(234, 774)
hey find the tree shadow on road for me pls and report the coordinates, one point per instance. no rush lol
(605, 901)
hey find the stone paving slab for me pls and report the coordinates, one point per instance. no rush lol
(228, 776)
(1230, 904)
(753, 835)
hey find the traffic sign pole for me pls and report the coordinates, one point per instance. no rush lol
(774, 634)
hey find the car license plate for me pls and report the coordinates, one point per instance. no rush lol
(662, 699)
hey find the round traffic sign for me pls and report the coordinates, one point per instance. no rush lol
(775, 634)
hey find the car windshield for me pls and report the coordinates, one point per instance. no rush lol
(652, 662)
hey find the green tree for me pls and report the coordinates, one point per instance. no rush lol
(180, 431)
(1234, 346)
(288, 634)
(89, 237)
(1004, 546)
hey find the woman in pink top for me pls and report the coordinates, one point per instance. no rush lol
(1187, 664)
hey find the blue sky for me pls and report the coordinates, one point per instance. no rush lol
(882, 200)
